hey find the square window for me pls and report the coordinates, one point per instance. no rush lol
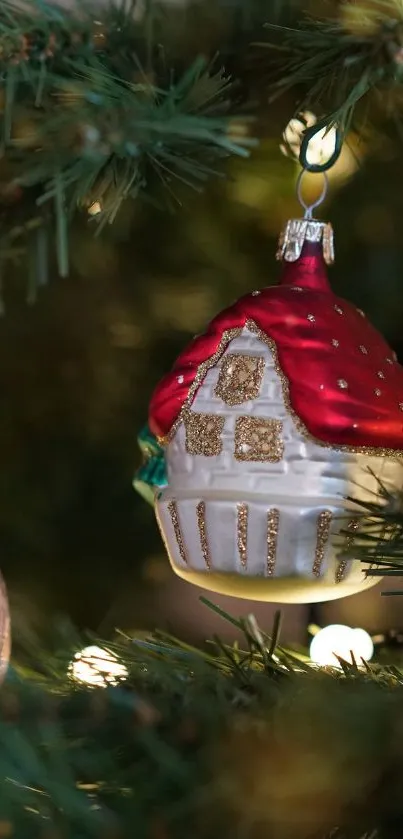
(240, 378)
(203, 434)
(258, 439)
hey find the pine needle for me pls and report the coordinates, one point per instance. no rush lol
(175, 743)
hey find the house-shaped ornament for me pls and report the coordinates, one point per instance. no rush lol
(288, 404)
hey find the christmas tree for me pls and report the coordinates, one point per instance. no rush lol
(150, 152)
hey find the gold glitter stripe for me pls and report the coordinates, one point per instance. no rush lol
(201, 523)
(227, 336)
(273, 520)
(173, 512)
(322, 536)
(352, 528)
(242, 533)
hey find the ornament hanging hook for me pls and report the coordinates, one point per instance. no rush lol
(309, 208)
(309, 134)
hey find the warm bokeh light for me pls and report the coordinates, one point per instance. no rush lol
(96, 667)
(363, 18)
(340, 640)
(320, 148)
(95, 209)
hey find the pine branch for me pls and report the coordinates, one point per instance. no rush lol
(93, 113)
(378, 541)
(192, 740)
(338, 62)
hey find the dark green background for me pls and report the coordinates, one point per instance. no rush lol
(78, 368)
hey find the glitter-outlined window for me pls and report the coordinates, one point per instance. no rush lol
(203, 434)
(240, 378)
(258, 439)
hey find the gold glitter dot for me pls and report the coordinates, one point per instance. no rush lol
(338, 310)
(342, 384)
(242, 533)
(311, 318)
(363, 349)
(256, 293)
(240, 378)
(180, 379)
(335, 342)
(322, 536)
(401, 406)
(389, 360)
(273, 520)
(380, 374)
(377, 392)
(296, 288)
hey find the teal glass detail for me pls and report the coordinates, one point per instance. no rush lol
(151, 475)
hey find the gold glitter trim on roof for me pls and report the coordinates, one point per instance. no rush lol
(368, 450)
(203, 368)
(202, 371)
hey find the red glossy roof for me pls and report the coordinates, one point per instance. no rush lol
(340, 377)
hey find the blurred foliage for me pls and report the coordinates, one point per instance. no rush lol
(350, 55)
(248, 739)
(91, 115)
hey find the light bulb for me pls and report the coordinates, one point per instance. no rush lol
(97, 667)
(321, 146)
(340, 640)
(95, 209)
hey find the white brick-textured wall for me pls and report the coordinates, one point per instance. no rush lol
(306, 469)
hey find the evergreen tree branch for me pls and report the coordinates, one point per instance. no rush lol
(93, 112)
(247, 736)
(338, 62)
(378, 542)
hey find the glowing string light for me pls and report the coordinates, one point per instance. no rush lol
(338, 640)
(321, 146)
(97, 667)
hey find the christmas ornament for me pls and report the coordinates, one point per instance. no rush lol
(287, 405)
(5, 630)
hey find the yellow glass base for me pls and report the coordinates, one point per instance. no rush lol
(275, 590)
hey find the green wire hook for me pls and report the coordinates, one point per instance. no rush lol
(309, 133)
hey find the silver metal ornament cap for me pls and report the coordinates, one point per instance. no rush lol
(299, 231)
